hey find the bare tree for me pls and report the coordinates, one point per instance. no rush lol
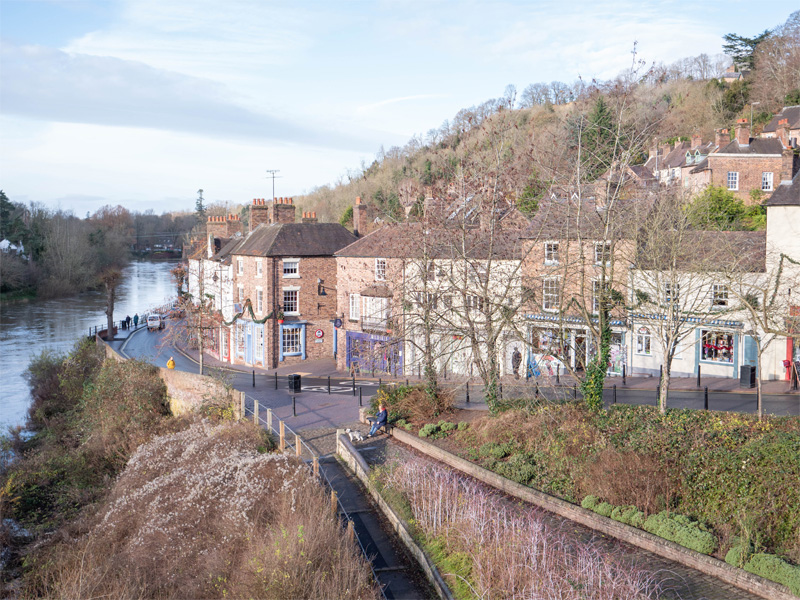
(110, 279)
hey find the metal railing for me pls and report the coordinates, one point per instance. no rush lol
(300, 447)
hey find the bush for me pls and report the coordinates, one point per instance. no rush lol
(681, 530)
(463, 426)
(773, 568)
(495, 450)
(428, 430)
(413, 402)
(739, 553)
(446, 426)
(590, 502)
(630, 515)
(604, 509)
(518, 468)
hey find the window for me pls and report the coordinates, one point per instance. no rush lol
(291, 267)
(259, 268)
(550, 294)
(239, 339)
(602, 252)
(291, 340)
(643, 341)
(675, 173)
(376, 313)
(290, 302)
(431, 301)
(719, 296)
(259, 350)
(431, 271)
(766, 181)
(259, 300)
(241, 294)
(717, 346)
(671, 292)
(474, 303)
(551, 253)
(355, 307)
(380, 269)
(240, 266)
(448, 301)
(733, 180)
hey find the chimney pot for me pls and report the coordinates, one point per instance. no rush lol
(358, 199)
(314, 215)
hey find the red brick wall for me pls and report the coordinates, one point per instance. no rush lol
(749, 169)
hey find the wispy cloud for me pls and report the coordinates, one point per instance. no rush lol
(51, 85)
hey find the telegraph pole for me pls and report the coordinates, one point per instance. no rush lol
(272, 174)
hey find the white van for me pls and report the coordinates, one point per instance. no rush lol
(155, 322)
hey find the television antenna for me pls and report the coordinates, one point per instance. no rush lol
(271, 173)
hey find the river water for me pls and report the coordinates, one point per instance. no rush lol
(28, 328)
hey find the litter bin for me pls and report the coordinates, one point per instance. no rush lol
(294, 383)
(747, 376)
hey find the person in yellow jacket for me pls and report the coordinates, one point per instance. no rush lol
(171, 363)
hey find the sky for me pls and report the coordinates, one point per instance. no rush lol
(143, 102)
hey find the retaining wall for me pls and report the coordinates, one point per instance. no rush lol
(359, 467)
(636, 537)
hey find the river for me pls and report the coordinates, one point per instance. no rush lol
(28, 328)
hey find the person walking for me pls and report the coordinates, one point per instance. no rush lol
(171, 363)
(128, 322)
(136, 320)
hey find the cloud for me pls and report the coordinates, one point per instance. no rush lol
(369, 107)
(51, 85)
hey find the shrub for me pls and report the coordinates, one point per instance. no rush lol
(604, 509)
(446, 426)
(495, 450)
(590, 502)
(739, 553)
(518, 468)
(630, 515)
(773, 568)
(681, 530)
(463, 426)
(428, 430)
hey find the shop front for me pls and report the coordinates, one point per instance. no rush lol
(368, 353)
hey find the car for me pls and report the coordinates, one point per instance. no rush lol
(155, 322)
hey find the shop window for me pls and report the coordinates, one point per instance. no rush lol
(717, 346)
(644, 341)
(292, 342)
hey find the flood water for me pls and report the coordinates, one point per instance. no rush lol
(28, 328)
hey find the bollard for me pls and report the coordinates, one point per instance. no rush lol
(255, 412)
(294, 406)
(558, 371)
(282, 435)
(536, 392)
(380, 382)
(624, 381)
(445, 371)
(658, 393)
(359, 397)
(354, 385)
(373, 371)
(705, 399)
(254, 378)
(334, 502)
(575, 391)
(615, 393)
(269, 420)
(406, 382)
(276, 380)
(501, 391)
(468, 392)
(698, 376)
(315, 467)
(298, 446)
(329, 385)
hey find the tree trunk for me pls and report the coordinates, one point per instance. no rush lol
(663, 390)
(759, 405)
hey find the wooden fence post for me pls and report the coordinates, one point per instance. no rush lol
(334, 503)
(298, 447)
(269, 420)
(255, 412)
(241, 405)
(315, 467)
(351, 532)
(283, 436)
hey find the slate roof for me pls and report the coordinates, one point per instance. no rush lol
(786, 194)
(791, 113)
(405, 240)
(756, 146)
(294, 239)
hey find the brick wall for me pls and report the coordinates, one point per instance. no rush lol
(750, 169)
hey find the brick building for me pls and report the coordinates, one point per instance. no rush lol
(791, 116)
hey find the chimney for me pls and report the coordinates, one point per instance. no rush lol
(259, 213)
(743, 132)
(309, 217)
(782, 132)
(721, 138)
(787, 164)
(664, 149)
(282, 210)
(217, 227)
(697, 141)
(234, 225)
(359, 217)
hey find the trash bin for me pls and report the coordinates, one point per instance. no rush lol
(747, 376)
(294, 383)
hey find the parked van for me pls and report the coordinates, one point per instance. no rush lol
(155, 322)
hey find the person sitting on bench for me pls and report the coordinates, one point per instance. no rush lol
(378, 420)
